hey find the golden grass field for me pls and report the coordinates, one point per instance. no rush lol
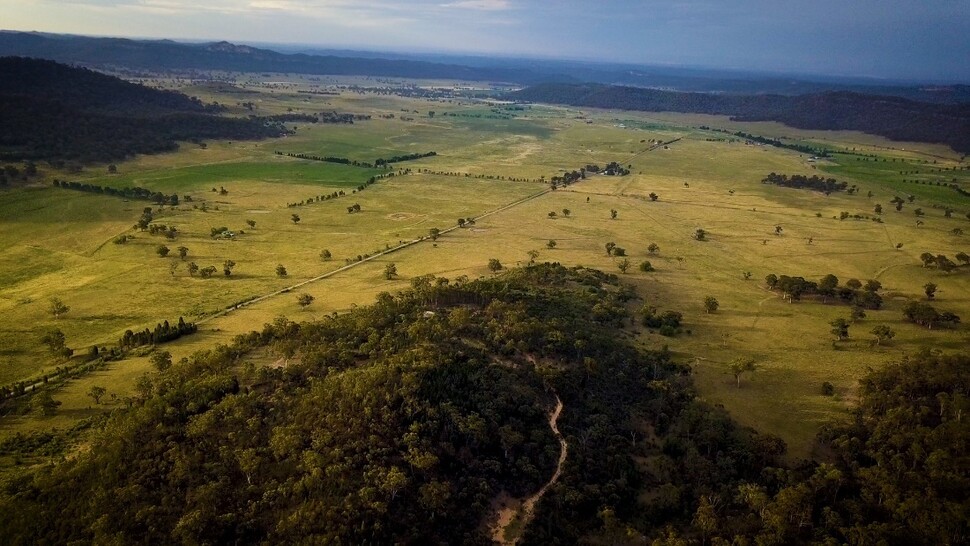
(57, 242)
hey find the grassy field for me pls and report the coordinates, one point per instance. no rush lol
(58, 242)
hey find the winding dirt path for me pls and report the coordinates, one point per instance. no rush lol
(511, 520)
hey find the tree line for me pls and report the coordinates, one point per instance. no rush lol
(814, 182)
(133, 192)
(378, 163)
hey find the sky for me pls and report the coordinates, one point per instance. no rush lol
(896, 39)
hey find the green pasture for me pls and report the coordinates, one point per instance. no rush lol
(58, 243)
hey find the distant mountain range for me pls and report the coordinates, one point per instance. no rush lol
(892, 117)
(170, 55)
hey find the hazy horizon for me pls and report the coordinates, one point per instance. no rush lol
(887, 40)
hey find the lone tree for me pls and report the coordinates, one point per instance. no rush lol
(653, 248)
(613, 214)
(930, 290)
(280, 270)
(533, 254)
(653, 196)
(840, 328)
(623, 265)
(711, 304)
(251, 224)
(55, 340)
(183, 252)
(161, 360)
(295, 218)
(162, 251)
(227, 267)
(551, 244)
(304, 300)
(883, 333)
(44, 403)
(740, 365)
(434, 233)
(494, 265)
(390, 271)
(57, 307)
(700, 234)
(778, 230)
(97, 392)
(325, 255)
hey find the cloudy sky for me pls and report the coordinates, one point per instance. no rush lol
(912, 39)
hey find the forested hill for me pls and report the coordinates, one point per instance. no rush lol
(892, 117)
(52, 111)
(401, 422)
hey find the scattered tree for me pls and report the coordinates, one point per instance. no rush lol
(227, 267)
(883, 333)
(162, 251)
(653, 248)
(44, 403)
(552, 214)
(840, 328)
(711, 304)
(653, 196)
(304, 300)
(280, 270)
(565, 212)
(741, 365)
(613, 214)
(551, 244)
(207, 271)
(533, 254)
(193, 268)
(623, 265)
(325, 255)
(434, 233)
(97, 392)
(494, 265)
(183, 252)
(646, 266)
(390, 271)
(251, 224)
(295, 218)
(930, 290)
(609, 248)
(700, 234)
(57, 307)
(857, 313)
(55, 341)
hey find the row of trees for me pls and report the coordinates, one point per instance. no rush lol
(162, 333)
(942, 262)
(133, 192)
(378, 163)
(814, 182)
(853, 292)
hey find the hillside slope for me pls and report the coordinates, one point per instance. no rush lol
(892, 117)
(52, 111)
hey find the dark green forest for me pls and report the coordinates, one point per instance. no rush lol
(399, 423)
(892, 117)
(54, 112)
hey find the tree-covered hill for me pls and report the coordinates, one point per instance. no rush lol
(402, 421)
(892, 117)
(52, 111)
